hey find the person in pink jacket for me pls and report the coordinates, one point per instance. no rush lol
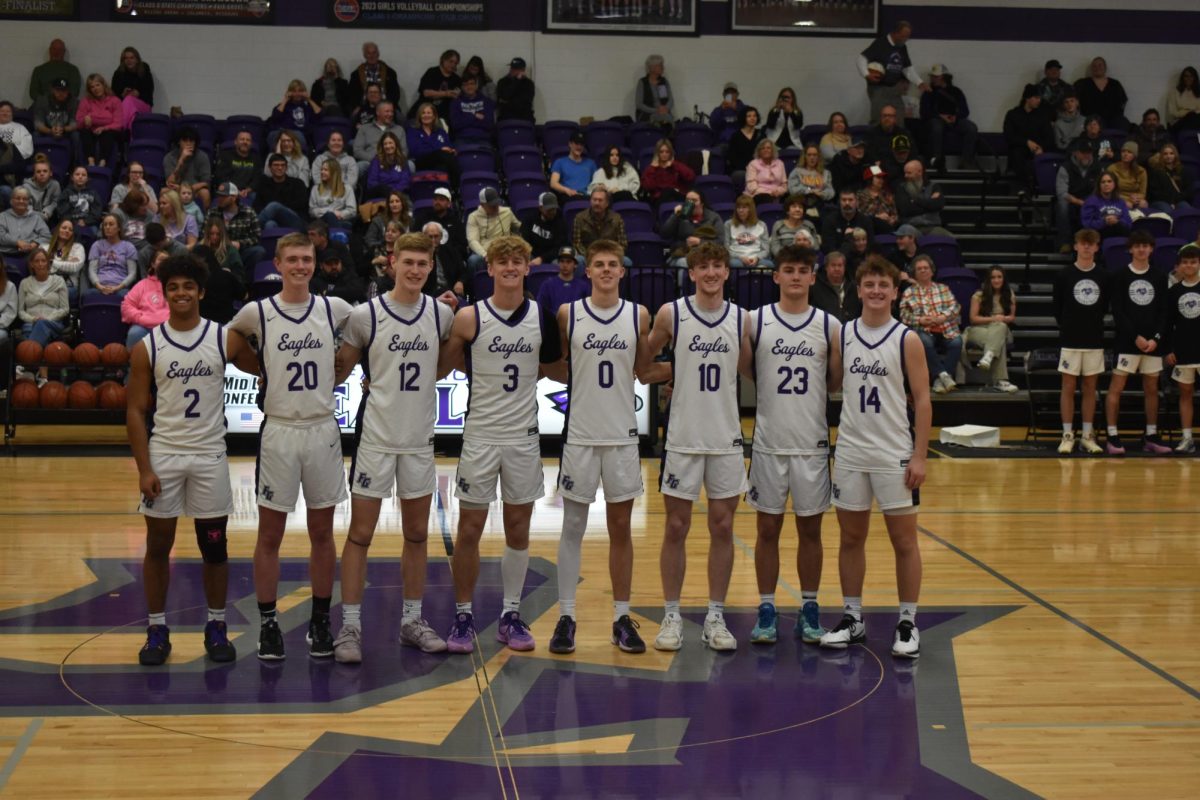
(766, 177)
(145, 306)
(100, 121)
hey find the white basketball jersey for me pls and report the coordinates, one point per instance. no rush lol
(874, 434)
(189, 385)
(502, 364)
(399, 409)
(603, 349)
(790, 365)
(704, 406)
(297, 360)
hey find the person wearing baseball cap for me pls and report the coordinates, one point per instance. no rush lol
(1052, 88)
(280, 199)
(545, 230)
(944, 108)
(847, 167)
(724, 118)
(570, 175)
(1027, 134)
(54, 115)
(569, 285)
(443, 213)
(486, 224)
(241, 223)
(515, 93)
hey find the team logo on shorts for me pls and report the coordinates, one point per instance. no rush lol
(1141, 292)
(364, 480)
(1124, 361)
(1087, 292)
(147, 502)
(1066, 364)
(463, 486)
(837, 493)
(1189, 305)
(267, 493)
(567, 482)
(753, 493)
(672, 481)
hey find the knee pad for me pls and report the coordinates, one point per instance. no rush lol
(210, 537)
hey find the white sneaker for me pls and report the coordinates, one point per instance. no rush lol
(939, 386)
(1004, 386)
(1067, 445)
(419, 634)
(849, 631)
(716, 635)
(670, 634)
(347, 647)
(907, 643)
(1186, 445)
(986, 361)
(948, 382)
(1088, 443)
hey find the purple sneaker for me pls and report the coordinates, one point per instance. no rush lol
(462, 634)
(1153, 444)
(513, 631)
(625, 635)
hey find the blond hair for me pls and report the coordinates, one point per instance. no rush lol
(507, 247)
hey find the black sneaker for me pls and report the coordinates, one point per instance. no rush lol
(625, 635)
(157, 647)
(270, 641)
(563, 640)
(216, 642)
(319, 637)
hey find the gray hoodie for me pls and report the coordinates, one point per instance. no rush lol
(43, 199)
(29, 228)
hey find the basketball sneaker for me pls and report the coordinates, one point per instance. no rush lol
(270, 641)
(849, 631)
(157, 647)
(716, 635)
(216, 642)
(1114, 447)
(347, 647)
(808, 626)
(765, 630)
(1067, 445)
(462, 634)
(1088, 444)
(625, 635)
(513, 631)
(1186, 446)
(1152, 444)
(420, 634)
(319, 637)
(563, 640)
(907, 643)
(670, 633)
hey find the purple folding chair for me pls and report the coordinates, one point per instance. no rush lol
(690, 138)
(569, 211)
(515, 133)
(651, 286)
(522, 159)
(645, 249)
(599, 136)
(1114, 252)
(100, 319)
(1187, 224)
(716, 189)
(1045, 171)
(638, 217)
(1155, 226)
(1165, 252)
(944, 251)
(754, 288)
(151, 126)
(556, 134)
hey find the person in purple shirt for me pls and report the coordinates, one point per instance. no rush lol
(296, 112)
(429, 145)
(112, 261)
(724, 118)
(472, 116)
(565, 287)
(388, 171)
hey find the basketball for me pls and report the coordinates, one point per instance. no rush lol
(114, 355)
(87, 355)
(29, 352)
(57, 354)
(53, 395)
(25, 394)
(82, 394)
(111, 394)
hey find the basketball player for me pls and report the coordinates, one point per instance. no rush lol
(300, 445)
(397, 336)
(178, 373)
(797, 361)
(604, 339)
(704, 437)
(877, 456)
(500, 343)
(1182, 338)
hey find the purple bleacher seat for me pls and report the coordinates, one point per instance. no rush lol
(248, 122)
(424, 183)
(644, 136)
(481, 285)
(1187, 224)
(1158, 227)
(644, 157)
(723, 210)
(638, 217)
(601, 135)
(651, 286)
(101, 181)
(1165, 251)
(472, 184)
(885, 239)
(538, 275)
(962, 286)
(690, 138)
(570, 209)
(100, 319)
(515, 133)
(556, 134)
(205, 125)
(525, 188)
(147, 152)
(1114, 252)
(944, 250)
(715, 188)
(645, 249)
(790, 156)
(769, 214)
(59, 153)
(151, 126)
(476, 161)
(271, 236)
(754, 288)
(1045, 170)
(522, 159)
(321, 130)
(811, 134)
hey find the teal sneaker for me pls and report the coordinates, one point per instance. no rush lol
(765, 631)
(808, 624)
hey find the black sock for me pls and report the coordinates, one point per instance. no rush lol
(320, 606)
(267, 611)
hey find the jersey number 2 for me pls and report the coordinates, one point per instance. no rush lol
(194, 396)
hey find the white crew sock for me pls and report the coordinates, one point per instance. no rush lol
(570, 554)
(513, 566)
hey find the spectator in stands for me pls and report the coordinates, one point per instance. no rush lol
(486, 224)
(811, 180)
(240, 164)
(618, 176)
(1053, 90)
(652, 99)
(22, 230)
(331, 200)
(296, 112)
(365, 113)
(838, 226)
(599, 222)
(42, 304)
(43, 189)
(876, 200)
(383, 273)
(786, 231)
(1172, 184)
(1075, 180)
(333, 279)
(55, 115)
(187, 163)
(280, 200)
(847, 167)
(515, 93)
(157, 241)
(834, 292)
(429, 144)
(396, 210)
(224, 287)
(905, 251)
(746, 237)
(785, 120)
(190, 206)
(177, 224)
(55, 69)
(665, 179)
(112, 261)
(857, 249)
(8, 315)
(99, 118)
(682, 227)
(485, 85)
(1183, 102)
(331, 90)
(1101, 145)
(449, 273)
(135, 178)
(16, 145)
(373, 70)
(929, 308)
(1104, 211)
(216, 241)
(727, 117)
(1027, 134)
(1132, 180)
(290, 147)
(1068, 125)
(241, 224)
(919, 202)
(145, 306)
(134, 85)
(766, 178)
(902, 152)
(443, 213)
(472, 115)
(388, 172)
(545, 230)
(993, 310)
(1150, 136)
(1102, 95)
(836, 138)
(885, 65)
(366, 139)
(335, 152)
(570, 175)
(439, 85)
(879, 137)
(67, 257)
(944, 108)
(565, 287)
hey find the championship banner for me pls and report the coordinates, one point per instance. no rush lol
(437, 14)
(242, 12)
(243, 416)
(39, 9)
